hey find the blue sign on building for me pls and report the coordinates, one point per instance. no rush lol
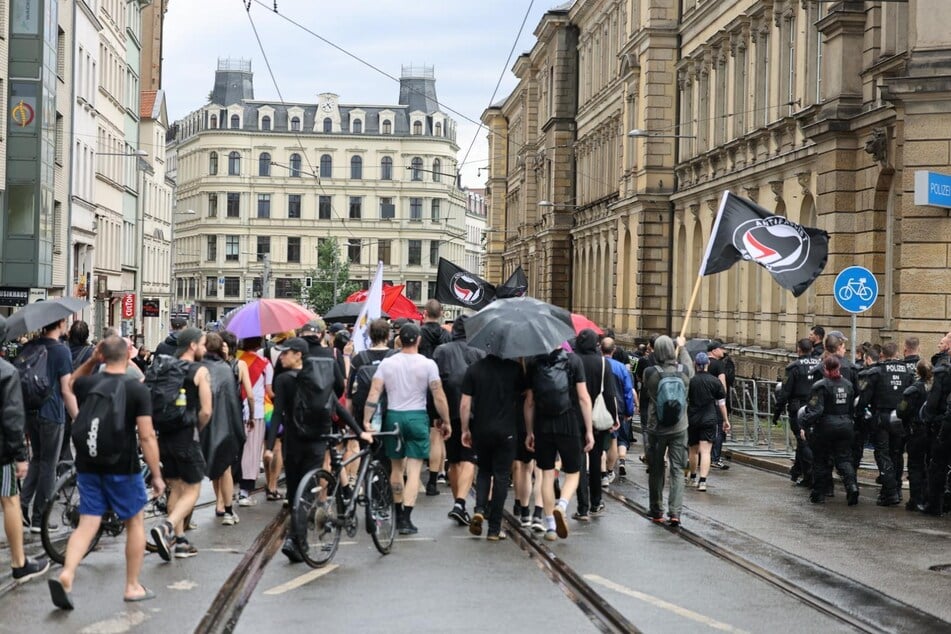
(855, 289)
(932, 188)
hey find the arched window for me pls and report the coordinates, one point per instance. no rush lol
(265, 123)
(326, 166)
(356, 168)
(213, 164)
(357, 126)
(264, 164)
(418, 127)
(328, 125)
(386, 169)
(295, 124)
(417, 169)
(387, 127)
(437, 167)
(234, 164)
(295, 166)
(213, 121)
(438, 131)
(235, 122)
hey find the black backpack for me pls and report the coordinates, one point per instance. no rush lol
(552, 385)
(314, 404)
(165, 379)
(32, 364)
(99, 430)
(362, 381)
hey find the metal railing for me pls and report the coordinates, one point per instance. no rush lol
(752, 403)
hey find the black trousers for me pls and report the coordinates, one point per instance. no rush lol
(832, 444)
(299, 458)
(589, 484)
(882, 440)
(938, 470)
(919, 446)
(496, 453)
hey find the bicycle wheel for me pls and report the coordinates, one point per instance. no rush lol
(381, 509)
(61, 518)
(318, 517)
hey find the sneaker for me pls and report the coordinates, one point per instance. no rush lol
(525, 521)
(561, 526)
(611, 477)
(605, 483)
(497, 537)
(538, 524)
(441, 479)
(579, 517)
(408, 528)
(719, 464)
(37, 527)
(701, 486)
(598, 509)
(551, 536)
(160, 536)
(475, 524)
(431, 489)
(291, 551)
(183, 549)
(191, 526)
(30, 569)
(621, 470)
(245, 500)
(673, 521)
(459, 514)
(229, 519)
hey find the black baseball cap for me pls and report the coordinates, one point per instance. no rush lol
(187, 337)
(177, 323)
(409, 333)
(337, 327)
(296, 344)
(713, 345)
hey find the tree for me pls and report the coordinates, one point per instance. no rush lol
(330, 281)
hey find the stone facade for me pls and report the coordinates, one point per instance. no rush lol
(821, 112)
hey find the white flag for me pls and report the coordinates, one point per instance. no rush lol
(372, 308)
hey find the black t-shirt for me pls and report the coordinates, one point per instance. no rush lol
(188, 433)
(495, 386)
(138, 402)
(716, 368)
(702, 395)
(570, 423)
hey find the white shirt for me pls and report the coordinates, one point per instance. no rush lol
(406, 378)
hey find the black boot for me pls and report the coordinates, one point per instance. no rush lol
(400, 518)
(852, 494)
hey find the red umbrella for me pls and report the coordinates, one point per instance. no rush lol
(580, 322)
(395, 303)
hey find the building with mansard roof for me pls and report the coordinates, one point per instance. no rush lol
(267, 180)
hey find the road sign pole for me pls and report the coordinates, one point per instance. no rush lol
(855, 319)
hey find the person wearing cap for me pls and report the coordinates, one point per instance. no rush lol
(706, 408)
(715, 352)
(432, 335)
(408, 378)
(170, 345)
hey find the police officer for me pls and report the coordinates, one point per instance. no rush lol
(910, 352)
(793, 394)
(919, 441)
(881, 387)
(817, 337)
(829, 415)
(935, 414)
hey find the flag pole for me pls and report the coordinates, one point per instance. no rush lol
(703, 263)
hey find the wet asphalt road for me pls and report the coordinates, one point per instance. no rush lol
(445, 580)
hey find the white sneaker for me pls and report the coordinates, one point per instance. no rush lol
(611, 477)
(701, 486)
(605, 482)
(245, 500)
(229, 519)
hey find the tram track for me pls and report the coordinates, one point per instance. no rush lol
(837, 596)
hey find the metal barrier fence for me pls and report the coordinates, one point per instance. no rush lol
(753, 402)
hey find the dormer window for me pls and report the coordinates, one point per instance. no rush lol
(266, 123)
(328, 125)
(235, 122)
(418, 127)
(387, 127)
(438, 131)
(213, 122)
(295, 124)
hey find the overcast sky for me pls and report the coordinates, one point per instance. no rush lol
(467, 41)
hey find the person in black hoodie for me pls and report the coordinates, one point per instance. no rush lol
(170, 345)
(595, 371)
(432, 335)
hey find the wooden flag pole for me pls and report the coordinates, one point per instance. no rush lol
(693, 298)
(703, 263)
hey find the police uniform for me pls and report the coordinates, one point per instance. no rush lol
(850, 374)
(918, 443)
(793, 394)
(829, 415)
(935, 414)
(881, 388)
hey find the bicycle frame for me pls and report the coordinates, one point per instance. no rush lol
(338, 466)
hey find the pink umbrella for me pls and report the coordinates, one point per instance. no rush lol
(580, 322)
(266, 316)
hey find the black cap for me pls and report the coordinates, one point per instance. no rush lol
(713, 345)
(187, 337)
(409, 333)
(177, 323)
(337, 327)
(312, 327)
(296, 344)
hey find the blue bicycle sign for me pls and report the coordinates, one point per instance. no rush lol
(855, 289)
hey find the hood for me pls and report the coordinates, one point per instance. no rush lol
(172, 339)
(459, 328)
(432, 331)
(664, 351)
(586, 342)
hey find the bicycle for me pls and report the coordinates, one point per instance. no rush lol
(61, 516)
(856, 287)
(323, 508)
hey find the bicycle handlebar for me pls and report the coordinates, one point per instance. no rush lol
(342, 437)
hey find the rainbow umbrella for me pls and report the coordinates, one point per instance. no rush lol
(266, 316)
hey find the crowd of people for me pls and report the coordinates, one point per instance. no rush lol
(206, 405)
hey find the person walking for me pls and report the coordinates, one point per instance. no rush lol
(45, 425)
(829, 418)
(407, 378)
(626, 399)
(558, 423)
(261, 375)
(935, 413)
(706, 408)
(182, 460)
(919, 441)
(13, 467)
(793, 394)
(667, 433)
(169, 346)
(432, 335)
(717, 368)
(491, 392)
(120, 486)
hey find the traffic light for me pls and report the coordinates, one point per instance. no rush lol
(308, 282)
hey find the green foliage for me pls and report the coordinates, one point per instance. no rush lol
(324, 293)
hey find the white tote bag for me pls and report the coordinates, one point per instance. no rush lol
(601, 419)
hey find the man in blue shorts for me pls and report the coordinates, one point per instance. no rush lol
(118, 487)
(407, 378)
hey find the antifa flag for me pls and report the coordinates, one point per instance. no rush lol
(793, 254)
(457, 286)
(515, 286)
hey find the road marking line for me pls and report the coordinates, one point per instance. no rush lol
(305, 578)
(664, 605)
(119, 624)
(415, 539)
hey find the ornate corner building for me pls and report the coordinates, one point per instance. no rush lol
(820, 111)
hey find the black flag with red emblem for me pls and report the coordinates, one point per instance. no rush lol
(793, 254)
(459, 287)
(515, 286)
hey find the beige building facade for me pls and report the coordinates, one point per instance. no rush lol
(819, 111)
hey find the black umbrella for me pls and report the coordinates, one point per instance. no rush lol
(43, 313)
(697, 345)
(347, 313)
(519, 327)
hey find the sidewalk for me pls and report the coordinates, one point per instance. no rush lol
(780, 461)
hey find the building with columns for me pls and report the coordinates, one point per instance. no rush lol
(268, 180)
(819, 111)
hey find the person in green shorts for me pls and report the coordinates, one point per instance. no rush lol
(407, 378)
